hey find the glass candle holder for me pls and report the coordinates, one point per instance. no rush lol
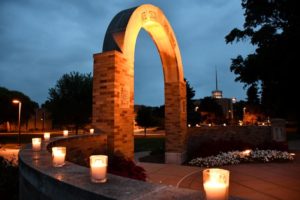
(36, 144)
(46, 136)
(216, 183)
(66, 133)
(58, 156)
(98, 168)
(92, 131)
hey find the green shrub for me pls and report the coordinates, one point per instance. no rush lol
(121, 166)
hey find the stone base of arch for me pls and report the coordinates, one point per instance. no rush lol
(113, 107)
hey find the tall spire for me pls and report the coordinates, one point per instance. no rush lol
(217, 94)
(216, 79)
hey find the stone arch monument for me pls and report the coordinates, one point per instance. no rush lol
(113, 84)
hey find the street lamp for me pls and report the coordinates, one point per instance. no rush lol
(233, 101)
(15, 101)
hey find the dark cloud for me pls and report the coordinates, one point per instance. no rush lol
(42, 40)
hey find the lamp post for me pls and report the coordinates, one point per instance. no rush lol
(15, 101)
(233, 101)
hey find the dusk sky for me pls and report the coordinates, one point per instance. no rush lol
(43, 39)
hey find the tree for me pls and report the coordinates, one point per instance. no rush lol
(210, 106)
(9, 111)
(70, 101)
(252, 94)
(273, 27)
(145, 118)
(159, 116)
(193, 117)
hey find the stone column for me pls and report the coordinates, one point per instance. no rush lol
(175, 122)
(113, 109)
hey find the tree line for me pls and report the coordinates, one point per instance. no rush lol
(9, 111)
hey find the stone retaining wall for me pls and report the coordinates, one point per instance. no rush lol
(40, 180)
(79, 149)
(248, 134)
(207, 141)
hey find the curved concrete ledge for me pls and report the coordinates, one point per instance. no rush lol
(40, 180)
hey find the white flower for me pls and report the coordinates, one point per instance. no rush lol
(236, 157)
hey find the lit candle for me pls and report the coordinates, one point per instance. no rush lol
(46, 136)
(246, 152)
(36, 144)
(216, 184)
(91, 131)
(66, 133)
(98, 168)
(58, 156)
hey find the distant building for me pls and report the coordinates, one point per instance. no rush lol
(225, 103)
(217, 94)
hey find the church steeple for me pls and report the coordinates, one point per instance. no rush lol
(216, 80)
(217, 94)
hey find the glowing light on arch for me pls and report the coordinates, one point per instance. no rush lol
(123, 31)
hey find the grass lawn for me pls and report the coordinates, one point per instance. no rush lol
(149, 144)
(24, 138)
(293, 136)
(140, 144)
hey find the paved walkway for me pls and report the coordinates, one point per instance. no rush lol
(264, 181)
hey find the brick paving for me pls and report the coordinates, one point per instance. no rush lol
(262, 181)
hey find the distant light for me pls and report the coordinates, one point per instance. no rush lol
(233, 100)
(16, 101)
(224, 124)
(189, 125)
(209, 124)
(65, 133)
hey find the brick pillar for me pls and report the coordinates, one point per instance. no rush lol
(175, 122)
(113, 109)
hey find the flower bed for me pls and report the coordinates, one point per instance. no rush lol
(236, 157)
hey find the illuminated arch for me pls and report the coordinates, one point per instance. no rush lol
(123, 31)
(117, 62)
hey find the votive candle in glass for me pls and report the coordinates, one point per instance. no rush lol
(98, 168)
(66, 133)
(58, 156)
(36, 144)
(92, 131)
(216, 183)
(46, 136)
